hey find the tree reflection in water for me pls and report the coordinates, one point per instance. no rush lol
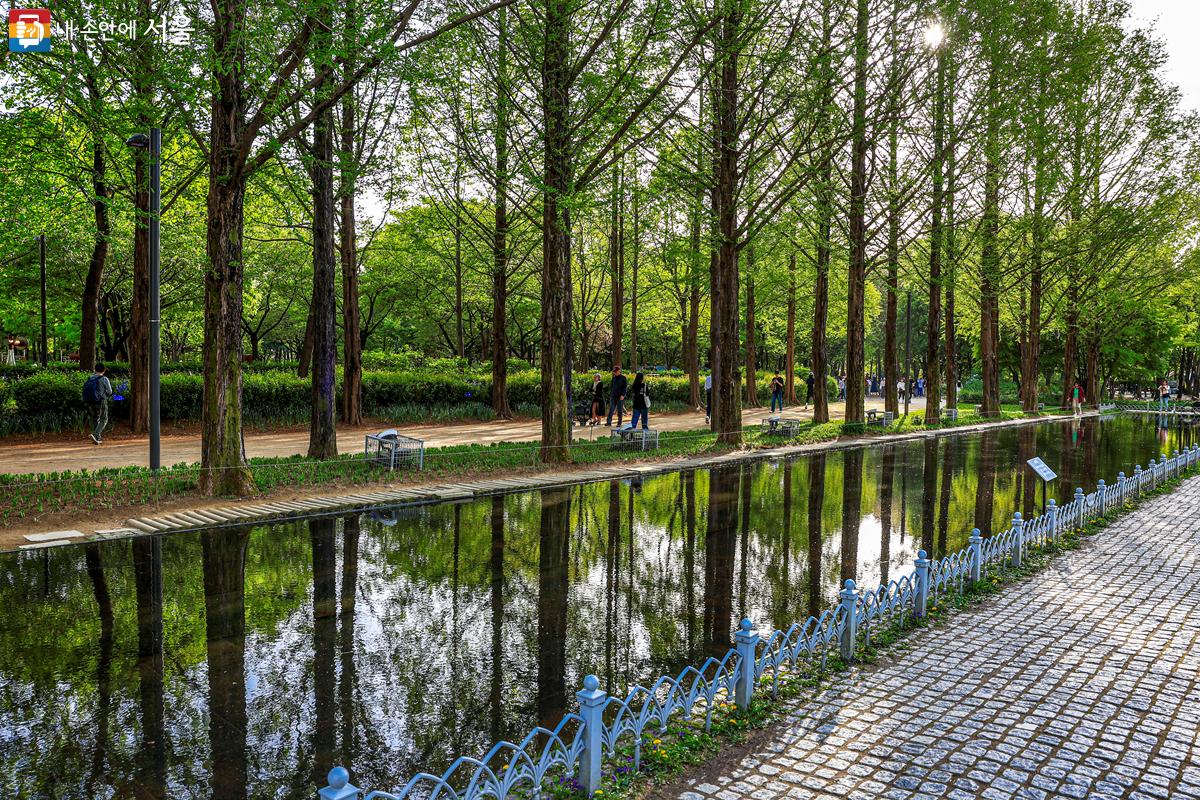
(233, 664)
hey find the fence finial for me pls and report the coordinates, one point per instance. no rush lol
(1018, 545)
(339, 787)
(975, 544)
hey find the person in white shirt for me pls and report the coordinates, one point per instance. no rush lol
(707, 396)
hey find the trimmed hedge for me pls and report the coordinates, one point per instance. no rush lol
(281, 396)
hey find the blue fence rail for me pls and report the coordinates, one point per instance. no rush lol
(579, 746)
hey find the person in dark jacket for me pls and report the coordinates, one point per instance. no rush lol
(97, 392)
(809, 383)
(641, 402)
(616, 399)
(776, 392)
(597, 400)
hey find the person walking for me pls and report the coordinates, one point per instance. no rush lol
(776, 392)
(809, 383)
(841, 387)
(1164, 395)
(597, 400)
(1076, 399)
(97, 391)
(640, 393)
(707, 397)
(617, 392)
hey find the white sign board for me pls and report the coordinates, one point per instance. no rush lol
(1042, 469)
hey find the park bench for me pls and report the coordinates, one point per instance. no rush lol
(780, 426)
(880, 418)
(390, 449)
(636, 438)
(949, 414)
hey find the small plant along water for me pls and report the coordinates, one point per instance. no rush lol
(239, 663)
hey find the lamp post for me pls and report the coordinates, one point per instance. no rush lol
(42, 356)
(153, 142)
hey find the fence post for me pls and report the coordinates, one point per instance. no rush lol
(849, 605)
(1052, 513)
(1079, 500)
(1122, 488)
(591, 707)
(339, 787)
(922, 600)
(1137, 481)
(976, 545)
(1153, 475)
(747, 648)
(1175, 464)
(1018, 540)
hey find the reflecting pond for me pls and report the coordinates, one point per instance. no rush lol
(237, 663)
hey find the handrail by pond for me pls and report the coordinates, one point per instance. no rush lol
(579, 746)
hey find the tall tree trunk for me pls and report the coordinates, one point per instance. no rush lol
(933, 372)
(634, 359)
(951, 252)
(789, 382)
(322, 431)
(556, 235)
(139, 312)
(352, 412)
(616, 263)
(90, 312)
(726, 391)
(1029, 355)
(989, 256)
(1091, 389)
(222, 453)
(751, 354)
(856, 290)
(500, 234)
(692, 335)
(1071, 343)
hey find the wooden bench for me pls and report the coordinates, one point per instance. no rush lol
(950, 415)
(390, 449)
(637, 438)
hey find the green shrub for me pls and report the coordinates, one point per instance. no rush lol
(181, 395)
(49, 391)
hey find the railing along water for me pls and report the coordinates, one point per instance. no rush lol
(578, 747)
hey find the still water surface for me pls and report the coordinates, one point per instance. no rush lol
(240, 663)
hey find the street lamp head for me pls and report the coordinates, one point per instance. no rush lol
(934, 35)
(138, 140)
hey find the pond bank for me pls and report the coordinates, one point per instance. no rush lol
(192, 513)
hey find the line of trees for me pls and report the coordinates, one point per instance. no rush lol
(534, 179)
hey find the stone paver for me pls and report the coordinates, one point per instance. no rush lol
(1080, 683)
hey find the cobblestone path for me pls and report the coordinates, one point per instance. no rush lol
(1080, 683)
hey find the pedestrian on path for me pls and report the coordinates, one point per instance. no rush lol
(97, 391)
(1164, 395)
(617, 392)
(597, 400)
(707, 397)
(1077, 399)
(776, 392)
(641, 402)
(809, 383)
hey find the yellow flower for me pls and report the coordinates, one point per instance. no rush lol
(658, 741)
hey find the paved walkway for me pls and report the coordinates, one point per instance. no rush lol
(1080, 683)
(122, 451)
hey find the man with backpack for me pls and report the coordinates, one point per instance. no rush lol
(97, 390)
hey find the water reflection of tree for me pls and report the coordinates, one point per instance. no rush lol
(322, 532)
(224, 562)
(852, 479)
(151, 780)
(929, 476)
(497, 561)
(816, 495)
(95, 569)
(949, 457)
(720, 542)
(351, 531)
(886, 482)
(554, 530)
(985, 489)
